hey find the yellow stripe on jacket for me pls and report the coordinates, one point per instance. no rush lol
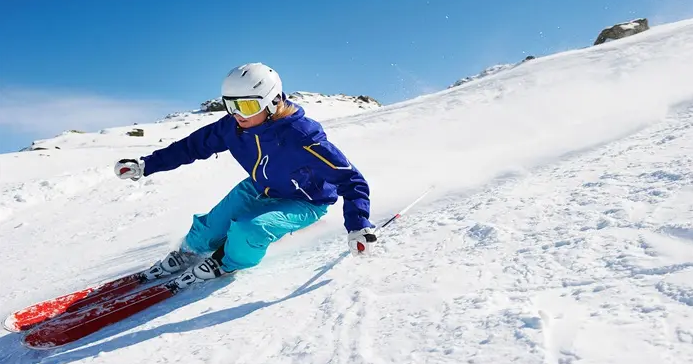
(311, 151)
(259, 156)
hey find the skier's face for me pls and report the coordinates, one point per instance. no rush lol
(251, 121)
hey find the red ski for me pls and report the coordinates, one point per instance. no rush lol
(72, 326)
(38, 313)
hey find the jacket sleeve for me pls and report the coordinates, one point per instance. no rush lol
(331, 164)
(200, 144)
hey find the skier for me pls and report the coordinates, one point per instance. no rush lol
(295, 173)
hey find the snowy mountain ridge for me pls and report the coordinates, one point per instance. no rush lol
(490, 71)
(303, 98)
(318, 106)
(560, 229)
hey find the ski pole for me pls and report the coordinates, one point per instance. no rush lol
(361, 247)
(404, 210)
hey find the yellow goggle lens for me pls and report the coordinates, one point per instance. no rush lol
(247, 107)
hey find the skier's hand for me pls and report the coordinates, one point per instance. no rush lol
(362, 241)
(129, 168)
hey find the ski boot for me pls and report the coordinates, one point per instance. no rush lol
(172, 263)
(207, 269)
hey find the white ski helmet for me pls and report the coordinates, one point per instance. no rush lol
(253, 81)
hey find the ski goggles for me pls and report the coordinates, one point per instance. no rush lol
(244, 106)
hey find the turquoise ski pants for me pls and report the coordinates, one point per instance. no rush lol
(246, 222)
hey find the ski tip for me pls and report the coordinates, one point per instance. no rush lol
(10, 324)
(35, 341)
(38, 345)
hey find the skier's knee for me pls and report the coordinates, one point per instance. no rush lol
(201, 237)
(246, 245)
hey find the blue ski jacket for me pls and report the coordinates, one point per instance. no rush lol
(286, 158)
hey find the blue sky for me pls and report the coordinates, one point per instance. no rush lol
(94, 64)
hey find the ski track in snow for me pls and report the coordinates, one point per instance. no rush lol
(585, 256)
(504, 281)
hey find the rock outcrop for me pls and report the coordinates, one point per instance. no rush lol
(34, 147)
(136, 132)
(212, 105)
(622, 30)
(313, 97)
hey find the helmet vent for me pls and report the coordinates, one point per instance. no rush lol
(257, 84)
(244, 72)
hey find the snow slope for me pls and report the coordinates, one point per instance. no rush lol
(560, 229)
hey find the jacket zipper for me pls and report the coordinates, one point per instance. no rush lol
(301, 189)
